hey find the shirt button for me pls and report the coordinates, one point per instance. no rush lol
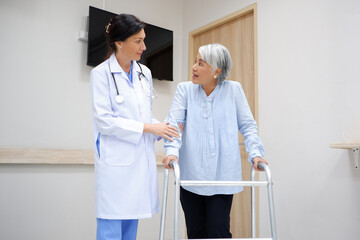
(213, 154)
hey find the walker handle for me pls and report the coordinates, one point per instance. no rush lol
(261, 165)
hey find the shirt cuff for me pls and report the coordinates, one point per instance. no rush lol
(254, 153)
(172, 151)
(139, 128)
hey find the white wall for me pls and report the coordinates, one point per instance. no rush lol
(308, 58)
(40, 202)
(45, 103)
(308, 93)
(44, 90)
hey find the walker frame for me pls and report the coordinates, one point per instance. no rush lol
(268, 183)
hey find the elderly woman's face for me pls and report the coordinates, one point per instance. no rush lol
(202, 72)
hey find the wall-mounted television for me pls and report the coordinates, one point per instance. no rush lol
(159, 45)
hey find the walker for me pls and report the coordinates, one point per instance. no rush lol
(251, 184)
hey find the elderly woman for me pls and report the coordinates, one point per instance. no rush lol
(212, 111)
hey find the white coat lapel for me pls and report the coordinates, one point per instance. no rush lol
(145, 106)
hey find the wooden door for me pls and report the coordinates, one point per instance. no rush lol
(237, 33)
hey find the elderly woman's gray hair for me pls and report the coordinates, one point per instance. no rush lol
(217, 56)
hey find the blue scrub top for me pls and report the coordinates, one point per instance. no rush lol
(130, 75)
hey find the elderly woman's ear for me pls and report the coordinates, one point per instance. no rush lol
(217, 73)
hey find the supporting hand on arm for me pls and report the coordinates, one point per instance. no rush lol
(162, 130)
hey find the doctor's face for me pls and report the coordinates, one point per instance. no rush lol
(133, 46)
(203, 73)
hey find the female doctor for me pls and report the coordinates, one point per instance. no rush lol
(124, 133)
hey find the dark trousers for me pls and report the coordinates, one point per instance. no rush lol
(206, 216)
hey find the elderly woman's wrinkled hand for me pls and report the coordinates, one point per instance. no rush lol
(168, 159)
(256, 161)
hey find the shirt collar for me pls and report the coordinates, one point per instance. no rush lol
(114, 65)
(212, 94)
(116, 68)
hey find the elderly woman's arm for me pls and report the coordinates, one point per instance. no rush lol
(177, 115)
(248, 128)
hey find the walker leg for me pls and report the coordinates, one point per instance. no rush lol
(164, 201)
(271, 204)
(253, 218)
(176, 199)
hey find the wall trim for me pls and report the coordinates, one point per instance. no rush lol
(51, 156)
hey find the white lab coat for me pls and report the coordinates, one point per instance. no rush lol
(125, 165)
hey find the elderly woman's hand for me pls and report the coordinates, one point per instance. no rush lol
(256, 161)
(181, 126)
(168, 159)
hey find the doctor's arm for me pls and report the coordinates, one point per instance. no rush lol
(104, 118)
(160, 129)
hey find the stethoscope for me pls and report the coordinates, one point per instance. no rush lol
(120, 99)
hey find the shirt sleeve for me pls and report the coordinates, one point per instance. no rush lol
(104, 118)
(177, 114)
(247, 126)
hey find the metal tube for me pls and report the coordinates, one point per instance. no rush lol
(176, 168)
(164, 201)
(271, 202)
(250, 239)
(224, 183)
(253, 220)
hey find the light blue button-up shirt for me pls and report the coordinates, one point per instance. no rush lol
(208, 149)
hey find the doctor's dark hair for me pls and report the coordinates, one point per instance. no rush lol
(120, 28)
(217, 56)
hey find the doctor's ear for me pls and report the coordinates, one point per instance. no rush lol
(118, 44)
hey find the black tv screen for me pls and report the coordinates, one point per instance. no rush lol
(158, 56)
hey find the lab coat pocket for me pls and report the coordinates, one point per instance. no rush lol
(119, 153)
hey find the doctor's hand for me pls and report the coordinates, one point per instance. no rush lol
(256, 161)
(162, 130)
(168, 159)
